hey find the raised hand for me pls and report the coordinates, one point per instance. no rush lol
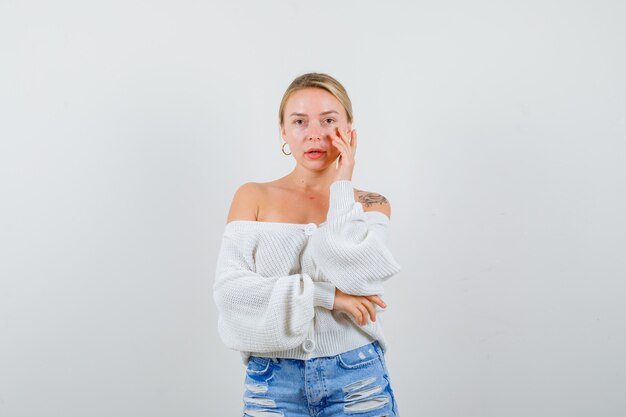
(347, 148)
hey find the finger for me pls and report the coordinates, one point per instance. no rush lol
(339, 135)
(348, 139)
(370, 308)
(338, 142)
(358, 315)
(376, 299)
(342, 138)
(364, 314)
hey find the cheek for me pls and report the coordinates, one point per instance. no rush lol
(296, 131)
(343, 128)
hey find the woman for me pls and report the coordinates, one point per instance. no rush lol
(300, 270)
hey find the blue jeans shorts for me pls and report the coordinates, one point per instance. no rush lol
(353, 383)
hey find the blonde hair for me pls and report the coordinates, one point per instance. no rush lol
(316, 80)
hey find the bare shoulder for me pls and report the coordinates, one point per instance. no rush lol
(373, 201)
(245, 202)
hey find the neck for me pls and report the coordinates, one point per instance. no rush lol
(307, 180)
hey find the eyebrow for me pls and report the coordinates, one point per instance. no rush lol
(321, 114)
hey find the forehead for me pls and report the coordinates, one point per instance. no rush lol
(312, 101)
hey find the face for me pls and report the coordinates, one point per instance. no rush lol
(311, 117)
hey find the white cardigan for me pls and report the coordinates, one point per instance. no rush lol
(275, 282)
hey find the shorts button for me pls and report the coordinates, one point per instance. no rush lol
(309, 229)
(308, 345)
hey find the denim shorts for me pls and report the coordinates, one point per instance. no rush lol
(354, 383)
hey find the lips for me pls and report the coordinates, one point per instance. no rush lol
(315, 153)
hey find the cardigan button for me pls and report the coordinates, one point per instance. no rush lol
(308, 345)
(309, 229)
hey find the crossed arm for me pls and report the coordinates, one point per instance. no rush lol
(260, 313)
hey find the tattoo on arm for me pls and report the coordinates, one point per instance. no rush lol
(368, 199)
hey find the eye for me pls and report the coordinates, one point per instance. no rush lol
(297, 121)
(331, 121)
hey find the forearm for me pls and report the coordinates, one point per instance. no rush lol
(351, 249)
(259, 314)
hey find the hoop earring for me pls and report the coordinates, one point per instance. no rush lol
(283, 149)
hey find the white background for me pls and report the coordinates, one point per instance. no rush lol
(497, 130)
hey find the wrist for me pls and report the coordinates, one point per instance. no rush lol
(324, 294)
(341, 194)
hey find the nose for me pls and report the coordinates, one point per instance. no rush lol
(315, 132)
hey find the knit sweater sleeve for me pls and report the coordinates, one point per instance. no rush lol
(259, 313)
(351, 249)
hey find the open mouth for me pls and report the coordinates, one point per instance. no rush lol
(315, 150)
(315, 154)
